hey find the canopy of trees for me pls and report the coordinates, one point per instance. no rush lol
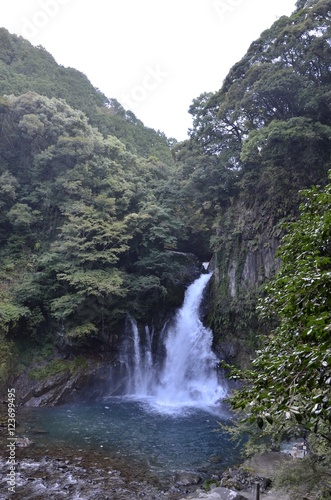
(266, 133)
(83, 227)
(254, 144)
(25, 68)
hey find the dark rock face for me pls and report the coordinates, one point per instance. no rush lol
(87, 384)
(246, 256)
(244, 259)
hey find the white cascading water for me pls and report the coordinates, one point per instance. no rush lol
(140, 372)
(189, 375)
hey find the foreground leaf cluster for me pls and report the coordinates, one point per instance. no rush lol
(289, 384)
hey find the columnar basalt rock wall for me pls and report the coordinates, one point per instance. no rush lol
(244, 260)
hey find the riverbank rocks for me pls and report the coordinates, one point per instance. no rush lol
(187, 478)
(57, 473)
(241, 479)
(23, 442)
(238, 483)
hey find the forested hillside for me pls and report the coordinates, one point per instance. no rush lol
(88, 229)
(255, 143)
(98, 214)
(24, 68)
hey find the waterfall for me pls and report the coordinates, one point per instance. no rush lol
(188, 375)
(138, 372)
(138, 360)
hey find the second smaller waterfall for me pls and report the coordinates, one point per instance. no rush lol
(138, 360)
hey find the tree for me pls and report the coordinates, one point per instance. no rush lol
(94, 222)
(290, 382)
(284, 157)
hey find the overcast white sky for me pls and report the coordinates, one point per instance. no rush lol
(153, 56)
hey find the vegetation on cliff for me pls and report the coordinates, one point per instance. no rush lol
(97, 212)
(84, 228)
(89, 230)
(258, 141)
(288, 389)
(25, 68)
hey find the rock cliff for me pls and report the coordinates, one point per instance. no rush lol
(246, 240)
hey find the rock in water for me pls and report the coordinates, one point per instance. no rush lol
(218, 493)
(187, 478)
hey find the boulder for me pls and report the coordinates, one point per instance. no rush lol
(23, 442)
(187, 478)
(217, 493)
(87, 383)
(225, 494)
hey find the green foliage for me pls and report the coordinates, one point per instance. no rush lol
(307, 478)
(81, 331)
(10, 316)
(25, 68)
(22, 216)
(56, 366)
(80, 213)
(290, 382)
(209, 483)
(266, 133)
(278, 160)
(52, 368)
(95, 211)
(7, 362)
(251, 439)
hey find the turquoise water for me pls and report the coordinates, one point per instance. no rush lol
(162, 439)
(168, 420)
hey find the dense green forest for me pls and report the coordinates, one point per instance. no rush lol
(84, 224)
(254, 144)
(99, 213)
(88, 228)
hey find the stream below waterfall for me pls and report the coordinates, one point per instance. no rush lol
(136, 431)
(120, 448)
